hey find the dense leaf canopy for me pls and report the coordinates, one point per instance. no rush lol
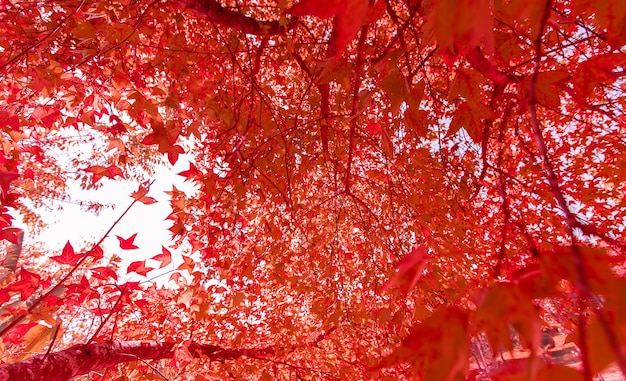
(378, 182)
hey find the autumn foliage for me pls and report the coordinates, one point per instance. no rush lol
(381, 184)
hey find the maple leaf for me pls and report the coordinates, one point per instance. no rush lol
(441, 340)
(11, 234)
(190, 173)
(173, 153)
(317, 163)
(127, 243)
(470, 118)
(29, 174)
(117, 126)
(96, 253)
(104, 273)
(98, 172)
(9, 119)
(163, 137)
(26, 285)
(595, 71)
(5, 181)
(165, 257)
(462, 24)
(139, 267)
(140, 194)
(188, 264)
(410, 270)
(67, 256)
(17, 335)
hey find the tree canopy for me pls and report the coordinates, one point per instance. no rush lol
(379, 183)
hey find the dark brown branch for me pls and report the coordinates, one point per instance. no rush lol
(232, 19)
(506, 210)
(356, 85)
(84, 358)
(572, 222)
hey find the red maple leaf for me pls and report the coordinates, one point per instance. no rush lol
(67, 257)
(11, 234)
(104, 273)
(5, 181)
(189, 173)
(188, 264)
(172, 154)
(164, 137)
(410, 270)
(117, 126)
(139, 267)
(96, 253)
(27, 284)
(127, 243)
(16, 335)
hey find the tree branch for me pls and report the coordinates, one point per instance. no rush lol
(232, 19)
(12, 257)
(570, 218)
(356, 86)
(84, 358)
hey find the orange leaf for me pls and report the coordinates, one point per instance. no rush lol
(165, 257)
(99, 172)
(188, 264)
(140, 194)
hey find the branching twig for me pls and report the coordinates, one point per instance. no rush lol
(103, 323)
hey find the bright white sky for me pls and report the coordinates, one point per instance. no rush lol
(148, 221)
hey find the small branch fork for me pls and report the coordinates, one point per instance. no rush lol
(572, 222)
